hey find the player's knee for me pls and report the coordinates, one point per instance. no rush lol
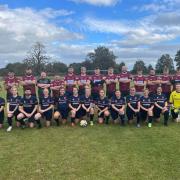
(56, 115)
(37, 116)
(10, 115)
(150, 113)
(73, 113)
(106, 113)
(91, 111)
(100, 120)
(20, 116)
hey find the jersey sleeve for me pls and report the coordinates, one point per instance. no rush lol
(171, 98)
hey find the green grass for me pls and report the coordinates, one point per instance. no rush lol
(98, 152)
(93, 153)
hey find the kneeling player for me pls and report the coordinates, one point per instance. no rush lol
(87, 105)
(62, 107)
(147, 105)
(160, 102)
(133, 106)
(45, 108)
(2, 105)
(118, 106)
(12, 108)
(28, 108)
(75, 106)
(102, 105)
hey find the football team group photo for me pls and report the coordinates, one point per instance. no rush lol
(87, 99)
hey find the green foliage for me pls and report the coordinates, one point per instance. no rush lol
(165, 61)
(139, 65)
(177, 59)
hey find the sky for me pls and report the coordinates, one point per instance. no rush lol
(69, 29)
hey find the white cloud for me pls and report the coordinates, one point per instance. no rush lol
(98, 2)
(21, 27)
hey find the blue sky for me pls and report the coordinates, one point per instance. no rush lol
(71, 28)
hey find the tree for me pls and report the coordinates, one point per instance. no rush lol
(37, 58)
(139, 65)
(165, 61)
(177, 59)
(102, 57)
(150, 67)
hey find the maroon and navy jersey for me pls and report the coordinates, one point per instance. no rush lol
(124, 86)
(32, 87)
(46, 102)
(133, 100)
(55, 83)
(75, 101)
(70, 80)
(117, 102)
(102, 103)
(112, 86)
(139, 81)
(14, 102)
(62, 102)
(175, 80)
(97, 83)
(87, 101)
(146, 102)
(152, 88)
(166, 87)
(83, 80)
(29, 103)
(160, 99)
(9, 82)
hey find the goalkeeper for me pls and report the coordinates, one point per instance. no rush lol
(175, 102)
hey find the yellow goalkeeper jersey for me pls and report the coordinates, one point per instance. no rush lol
(175, 99)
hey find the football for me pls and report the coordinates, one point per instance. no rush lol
(83, 123)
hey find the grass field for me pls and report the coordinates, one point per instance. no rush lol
(93, 153)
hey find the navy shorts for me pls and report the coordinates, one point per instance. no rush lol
(1, 117)
(83, 111)
(31, 119)
(64, 113)
(48, 115)
(143, 114)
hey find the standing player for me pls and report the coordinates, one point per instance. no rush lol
(13, 108)
(56, 84)
(46, 105)
(83, 80)
(97, 82)
(10, 81)
(152, 82)
(176, 78)
(75, 107)
(147, 105)
(29, 82)
(87, 105)
(160, 106)
(118, 108)
(124, 81)
(70, 81)
(166, 83)
(2, 105)
(28, 108)
(43, 83)
(139, 83)
(133, 107)
(102, 104)
(175, 102)
(62, 107)
(111, 81)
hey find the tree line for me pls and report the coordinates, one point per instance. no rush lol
(102, 57)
